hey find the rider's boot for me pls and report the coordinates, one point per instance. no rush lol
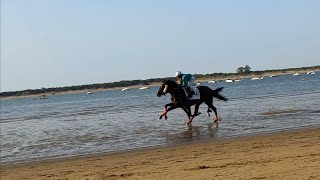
(189, 95)
(189, 92)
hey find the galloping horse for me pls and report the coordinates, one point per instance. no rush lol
(179, 99)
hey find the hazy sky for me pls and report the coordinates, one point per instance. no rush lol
(53, 43)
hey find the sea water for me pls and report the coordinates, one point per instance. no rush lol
(114, 120)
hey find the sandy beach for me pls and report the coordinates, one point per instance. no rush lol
(293, 154)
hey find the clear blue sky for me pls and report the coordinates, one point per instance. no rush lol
(54, 43)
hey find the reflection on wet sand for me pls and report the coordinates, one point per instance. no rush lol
(192, 133)
(284, 111)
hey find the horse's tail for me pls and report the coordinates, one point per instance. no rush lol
(216, 94)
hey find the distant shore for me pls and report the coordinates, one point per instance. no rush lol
(235, 77)
(239, 77)
(280, 155)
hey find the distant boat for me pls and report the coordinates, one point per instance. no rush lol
(211, 81)
(198, 83)
(296, 74)
(89, 92)
(142, 88)
(124, 89)
(237, 80)
(43, 97)
(272, 75)
(311, 72)
(229, 80)
(255, 78)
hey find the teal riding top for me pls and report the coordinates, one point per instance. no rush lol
(185, 79)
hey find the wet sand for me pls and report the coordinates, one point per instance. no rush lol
(282, 155)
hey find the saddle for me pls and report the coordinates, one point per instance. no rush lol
(193, 93)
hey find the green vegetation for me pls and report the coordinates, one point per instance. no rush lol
(244, 70)
(241, 71)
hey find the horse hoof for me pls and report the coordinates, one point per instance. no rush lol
(188, 124)
(160, 117)
(165, 117)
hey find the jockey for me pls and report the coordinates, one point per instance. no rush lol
(186, 81)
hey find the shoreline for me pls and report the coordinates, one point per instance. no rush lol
(236, 77)
(206, 141)
(186, 160)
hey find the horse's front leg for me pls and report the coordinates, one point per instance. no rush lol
(166, 110)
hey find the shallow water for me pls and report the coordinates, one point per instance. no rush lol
(107, 121)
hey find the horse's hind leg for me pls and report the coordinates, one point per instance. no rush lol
(209, 111)
(214, 110)
(196, 110)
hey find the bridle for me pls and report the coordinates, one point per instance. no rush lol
(165, 89)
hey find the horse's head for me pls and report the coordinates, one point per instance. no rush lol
(167, 86)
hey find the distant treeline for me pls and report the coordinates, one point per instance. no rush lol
(144, 82)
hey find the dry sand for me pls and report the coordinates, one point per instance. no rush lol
(282, 155)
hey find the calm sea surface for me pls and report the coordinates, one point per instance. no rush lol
(109, 121)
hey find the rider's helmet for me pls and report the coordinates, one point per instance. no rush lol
(178, 73)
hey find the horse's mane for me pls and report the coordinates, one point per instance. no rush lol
(178, 88)
(170, 82)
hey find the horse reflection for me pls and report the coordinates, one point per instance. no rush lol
(192, 134)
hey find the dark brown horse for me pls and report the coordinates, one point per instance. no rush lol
(179, 99)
